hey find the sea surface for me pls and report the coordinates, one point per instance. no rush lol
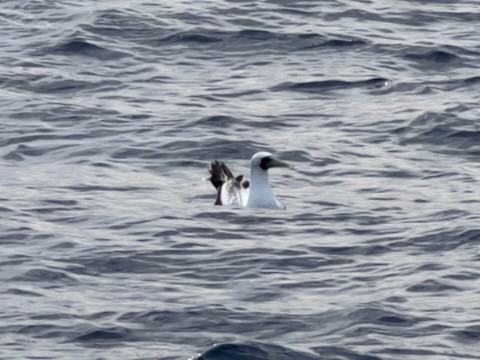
(110, 244)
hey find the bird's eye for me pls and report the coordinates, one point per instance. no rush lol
(264, 162)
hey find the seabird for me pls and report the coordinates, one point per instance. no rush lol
(236, 191)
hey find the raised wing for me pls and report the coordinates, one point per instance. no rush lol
(231, 190)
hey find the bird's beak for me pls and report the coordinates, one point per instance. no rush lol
(278, 163)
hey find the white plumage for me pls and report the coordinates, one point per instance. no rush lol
(237, 191)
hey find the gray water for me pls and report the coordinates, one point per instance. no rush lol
(110, 245)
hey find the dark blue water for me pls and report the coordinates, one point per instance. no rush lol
(110, 246)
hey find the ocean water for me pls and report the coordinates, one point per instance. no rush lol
(110, 245)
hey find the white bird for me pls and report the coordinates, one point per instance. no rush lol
(234, 190)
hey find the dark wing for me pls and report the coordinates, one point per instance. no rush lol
(230, 189)
(219, 174)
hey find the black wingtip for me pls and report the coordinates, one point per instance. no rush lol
(219, 174)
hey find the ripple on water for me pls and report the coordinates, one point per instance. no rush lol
(110, 243)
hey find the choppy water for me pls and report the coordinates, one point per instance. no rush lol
(110, 246)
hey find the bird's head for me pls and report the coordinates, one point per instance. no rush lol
(265, 160)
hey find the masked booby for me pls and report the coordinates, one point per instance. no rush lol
(237, 191)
